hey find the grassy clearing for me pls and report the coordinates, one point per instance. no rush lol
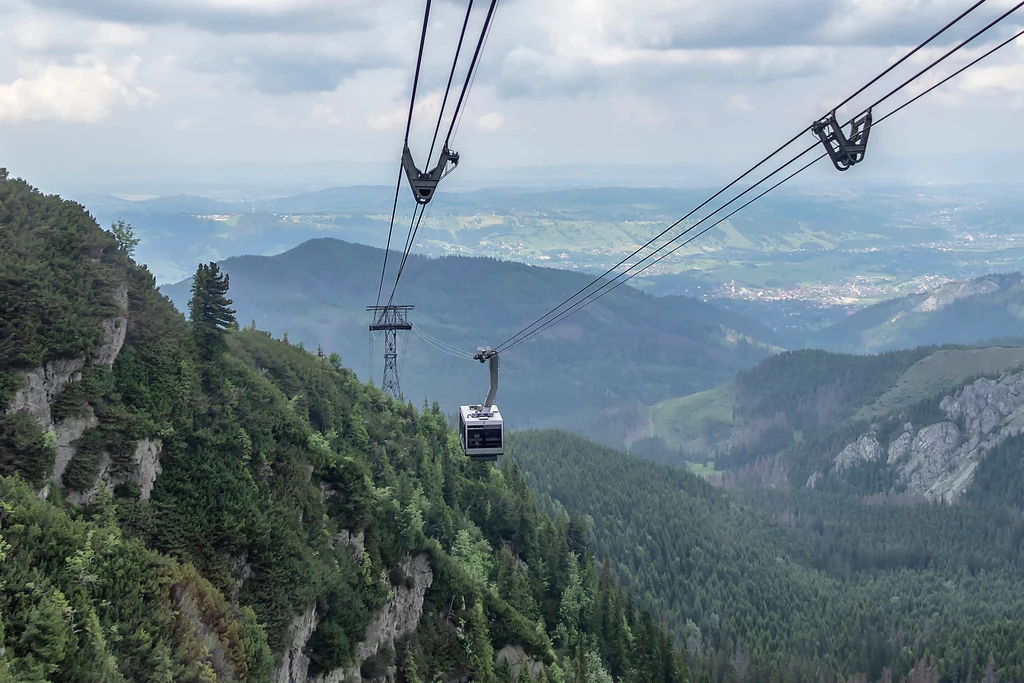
(702, 469)
(691, 421)
(940, 371)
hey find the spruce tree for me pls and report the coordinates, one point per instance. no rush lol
(210, 310)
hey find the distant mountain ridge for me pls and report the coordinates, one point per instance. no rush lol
(627, 347)
(959, 312)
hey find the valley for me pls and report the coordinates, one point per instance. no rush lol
(839, 249)
(285, 521)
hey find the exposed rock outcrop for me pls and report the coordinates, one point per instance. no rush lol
(70, 430)
(294, 667)
(939, 460)
(517, 658)
(147, 466)
(146, 460)
(952, 292)
(866, 449)
(114, 331)
(899, 448)
(933, 454)
(353, 539)
(402, 615)
(43, 386)
(394, 621)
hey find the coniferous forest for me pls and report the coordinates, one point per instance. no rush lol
(185, 498)
(292, 502)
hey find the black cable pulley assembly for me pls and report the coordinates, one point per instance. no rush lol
(842, 150)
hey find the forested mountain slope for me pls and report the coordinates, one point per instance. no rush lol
(919, 421)
(186, 501)
(627, 347)
(969, 312)
(820, 586)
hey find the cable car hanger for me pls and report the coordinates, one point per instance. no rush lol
(424, 184)
(582, 298)
(842, 150)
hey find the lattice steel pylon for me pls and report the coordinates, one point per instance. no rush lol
(390, 319)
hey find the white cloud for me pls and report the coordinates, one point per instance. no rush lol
(324, 113)
(490, 122)
(43, 34)
(118, 35)
(34, 34)
(741, 102)
(86, 92)
(301, 80)
(390, 120)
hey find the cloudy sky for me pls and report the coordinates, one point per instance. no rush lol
(118, 89)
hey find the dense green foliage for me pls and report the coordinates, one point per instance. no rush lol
(56, 276)
(889, 586)
(271, 457)
(209, 310)
(81, 601)
(802, 395)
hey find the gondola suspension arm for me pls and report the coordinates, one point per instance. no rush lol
(424, 184)
(489, 356)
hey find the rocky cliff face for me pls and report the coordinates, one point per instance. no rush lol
(938, 461)
(952, 292)
(43, 386)
(397, 619)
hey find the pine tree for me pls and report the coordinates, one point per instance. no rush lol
(210, 310)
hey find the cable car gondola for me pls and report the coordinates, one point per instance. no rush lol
(481, 429)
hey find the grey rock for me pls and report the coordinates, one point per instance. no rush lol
(147, 465)
(353, 539)
(939, 460)
(294, 667)
(114, 331)
(899, 448)
(43, 386)
(146, 469)
(399, 618)
(68, 432)
(932, 456)
(402, 615)
(954, 291)
(866, 449)
(517, 658)
(86, 497)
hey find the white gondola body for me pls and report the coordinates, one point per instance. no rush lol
(482, 433)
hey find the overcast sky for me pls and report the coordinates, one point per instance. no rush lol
(91, 88)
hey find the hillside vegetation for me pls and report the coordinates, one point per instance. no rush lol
(188, 501)
(795, 400)
(820, 586)
(626, 347)
(959, 312)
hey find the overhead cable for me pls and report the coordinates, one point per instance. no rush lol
(455, 118)
(541, 322)
(408, 128)
(615, 283)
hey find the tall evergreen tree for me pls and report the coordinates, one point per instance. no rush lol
(210, 309)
